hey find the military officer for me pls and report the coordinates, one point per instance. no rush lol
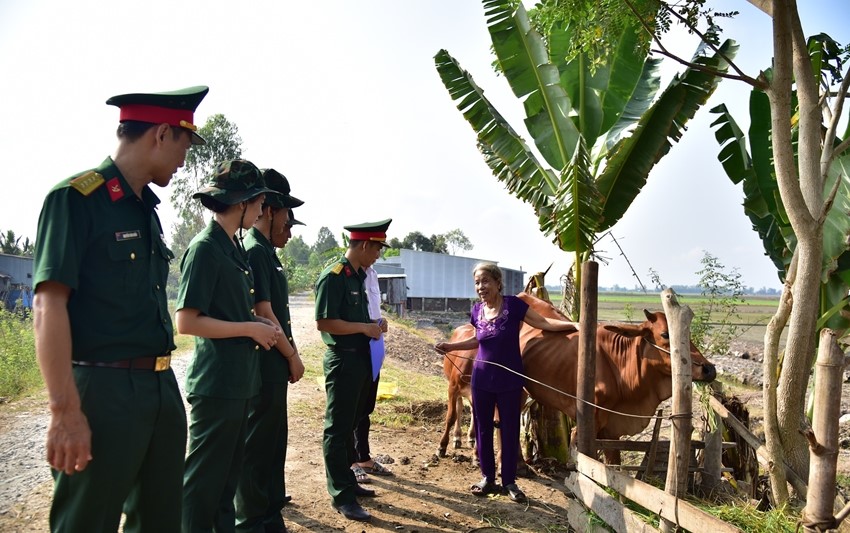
(261, 493)
(216, 305)
(342, 315)
(117, 432)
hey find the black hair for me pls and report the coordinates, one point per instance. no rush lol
(214, 205)
(133, 130)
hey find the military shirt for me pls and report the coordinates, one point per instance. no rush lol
(216, 280)
(341, 294)
(105, 243)
(270, 285)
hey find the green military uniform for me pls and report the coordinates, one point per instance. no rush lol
(261, 493)
(98, 238)
(340, 294)
(223, 375)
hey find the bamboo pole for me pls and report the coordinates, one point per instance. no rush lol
(823, 438)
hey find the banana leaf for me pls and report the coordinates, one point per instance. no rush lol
(524, 59)
(630, 161)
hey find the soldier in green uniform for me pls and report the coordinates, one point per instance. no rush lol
(342, 315)
(261, 493)
(117, 432)
(216, 305)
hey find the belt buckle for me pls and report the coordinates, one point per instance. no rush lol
(163, 362)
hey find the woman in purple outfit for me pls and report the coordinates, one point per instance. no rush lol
(498, 320)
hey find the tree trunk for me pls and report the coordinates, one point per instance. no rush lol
(801, 190)
(773, 441)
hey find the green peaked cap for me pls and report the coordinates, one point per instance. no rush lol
(175, 108)
(370, 231)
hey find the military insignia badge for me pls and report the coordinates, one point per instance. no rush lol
(115, 190)
(87, 183)
(337, 268)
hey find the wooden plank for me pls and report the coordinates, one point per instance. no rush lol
(611, 511)
(643, 445)
(666, 505)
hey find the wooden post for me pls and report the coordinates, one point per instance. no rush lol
(586, 371)
(679, 327)
(823, 443)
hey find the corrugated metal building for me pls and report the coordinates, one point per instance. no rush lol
(441, 282)
(15, 281)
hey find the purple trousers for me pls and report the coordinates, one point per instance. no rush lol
(484, 404)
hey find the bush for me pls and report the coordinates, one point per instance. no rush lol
(19, 373)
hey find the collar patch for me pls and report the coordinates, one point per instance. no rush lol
(115, 190)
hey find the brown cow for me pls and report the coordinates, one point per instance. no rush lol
(633, 373)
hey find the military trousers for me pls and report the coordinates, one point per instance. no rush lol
(214, 462)
(138, 428)
(362, 452)
(348, 378)
(262, 489)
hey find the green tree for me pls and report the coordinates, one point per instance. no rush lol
(10, 244)
(794, 167)
(223, 143)
(593, 118)
(296, 251)
(457, 240)
(325, 241)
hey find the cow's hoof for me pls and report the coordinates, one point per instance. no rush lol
(457, 445)
(441, 452)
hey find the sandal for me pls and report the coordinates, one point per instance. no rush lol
(515, 493)
(360, 474)
(484, 487)
(377, 469)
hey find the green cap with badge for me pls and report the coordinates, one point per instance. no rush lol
(370, 231)
(175, 108)
(235, 181)
(278, 182)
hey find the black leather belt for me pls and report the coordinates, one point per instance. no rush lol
(156, 363)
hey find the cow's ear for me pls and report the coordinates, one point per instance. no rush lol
(627, 330)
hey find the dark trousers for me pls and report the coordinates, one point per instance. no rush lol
(348, 378)
(261, 490)
(483, 405)
(214, 462)
(361, 431)
(138, 428)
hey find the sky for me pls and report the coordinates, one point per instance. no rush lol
(343, 98)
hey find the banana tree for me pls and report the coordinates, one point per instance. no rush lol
(762, 204)
(600, 129)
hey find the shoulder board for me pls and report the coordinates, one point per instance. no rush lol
(337, 268)
(87, 182)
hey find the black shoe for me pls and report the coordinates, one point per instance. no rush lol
(363, 491)
(353, 511)
(515, 493)
(273, 528)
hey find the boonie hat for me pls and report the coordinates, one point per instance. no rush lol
(278, 182)
(370, 231)
(175, 108)
(234, 181)
(294, 221)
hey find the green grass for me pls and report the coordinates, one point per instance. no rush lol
(19, 373)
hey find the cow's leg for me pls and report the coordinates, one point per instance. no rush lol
(451, 415)
(458, 432)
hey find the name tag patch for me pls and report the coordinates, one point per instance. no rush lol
(128, 235)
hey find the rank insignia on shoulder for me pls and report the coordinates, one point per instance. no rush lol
(337, 268)
(87, 182)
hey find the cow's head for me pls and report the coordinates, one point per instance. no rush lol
(655, 349)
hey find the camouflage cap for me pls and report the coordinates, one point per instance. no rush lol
(234, 181)
(278, 182)
(294, 221)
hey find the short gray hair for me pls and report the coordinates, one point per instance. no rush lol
(492, 269)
